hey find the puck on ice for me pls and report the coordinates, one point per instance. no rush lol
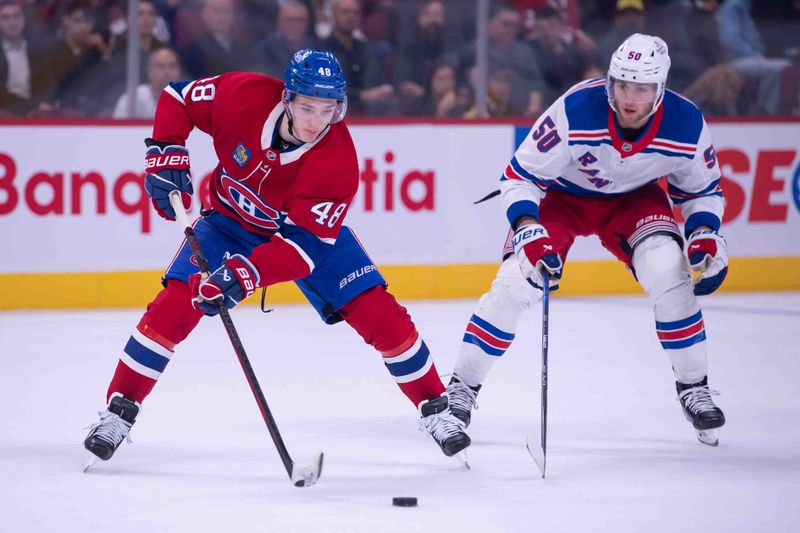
(404, 502)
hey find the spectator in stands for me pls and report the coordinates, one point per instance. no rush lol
(218, 49)
(745, 50)
(259, 18)
(718, 91)
(421, 48)
(322, 14)
(629, 18)
(148, 15)
(23, 76)
(148, 42)
(439, 93)
(71, 57)
(508, 52)
(367, 90)
(699, 67)
(499, 87)
(293, 34)
(779, 24)
(562, 62)
(568, 12)
(377, 23)
(380, 26)
(163, 67)
(691, 32)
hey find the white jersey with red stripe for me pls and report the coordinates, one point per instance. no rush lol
(576, 147)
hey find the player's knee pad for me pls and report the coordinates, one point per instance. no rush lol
(381, 321)
(510, 295)
(661, 268)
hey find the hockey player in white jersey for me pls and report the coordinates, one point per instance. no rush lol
(590, 166)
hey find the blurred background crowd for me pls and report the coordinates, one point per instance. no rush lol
(414, 58)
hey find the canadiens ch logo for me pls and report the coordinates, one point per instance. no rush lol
(241, 154)
(627, 147)
(248, 205)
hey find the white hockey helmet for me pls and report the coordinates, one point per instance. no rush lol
(640, 59)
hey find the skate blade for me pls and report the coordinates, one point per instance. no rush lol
(709, 437)
(90, 462)
(463, 459)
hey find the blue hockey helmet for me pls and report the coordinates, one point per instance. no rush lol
(316, 73)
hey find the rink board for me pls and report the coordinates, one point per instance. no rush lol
(78, 231)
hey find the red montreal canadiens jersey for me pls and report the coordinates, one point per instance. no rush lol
(299, 195)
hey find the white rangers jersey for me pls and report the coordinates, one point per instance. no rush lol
(576, 147)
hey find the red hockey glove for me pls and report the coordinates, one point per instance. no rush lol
(166, 170)
(231, 283)
(536, 253)
(708, 253)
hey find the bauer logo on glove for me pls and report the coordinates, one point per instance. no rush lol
(167, 170)
(155, 162)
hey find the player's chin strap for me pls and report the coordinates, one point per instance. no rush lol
(290, 122)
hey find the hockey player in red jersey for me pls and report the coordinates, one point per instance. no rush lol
(286, 177)
(590, 166)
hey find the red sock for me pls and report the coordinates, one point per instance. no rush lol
(168, 320)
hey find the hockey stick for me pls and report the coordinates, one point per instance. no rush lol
(539, 451)
(301, 476)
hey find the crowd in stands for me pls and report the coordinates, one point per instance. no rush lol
(401, 57)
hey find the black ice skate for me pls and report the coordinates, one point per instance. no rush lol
(115, 423)
(446, 430)
(699, 409)
(462, 399)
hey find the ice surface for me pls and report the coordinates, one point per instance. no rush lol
(621, 457)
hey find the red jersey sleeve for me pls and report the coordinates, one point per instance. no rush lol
(185, 105)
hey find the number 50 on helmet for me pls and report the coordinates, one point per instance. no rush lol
(642, 59)
(316, 73)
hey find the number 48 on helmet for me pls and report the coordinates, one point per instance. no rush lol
(317, 74)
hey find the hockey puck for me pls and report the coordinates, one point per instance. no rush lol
(404, 502)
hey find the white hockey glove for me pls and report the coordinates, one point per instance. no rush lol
(707, 252)
(537, 253)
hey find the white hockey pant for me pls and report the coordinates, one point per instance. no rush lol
(663, 272)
